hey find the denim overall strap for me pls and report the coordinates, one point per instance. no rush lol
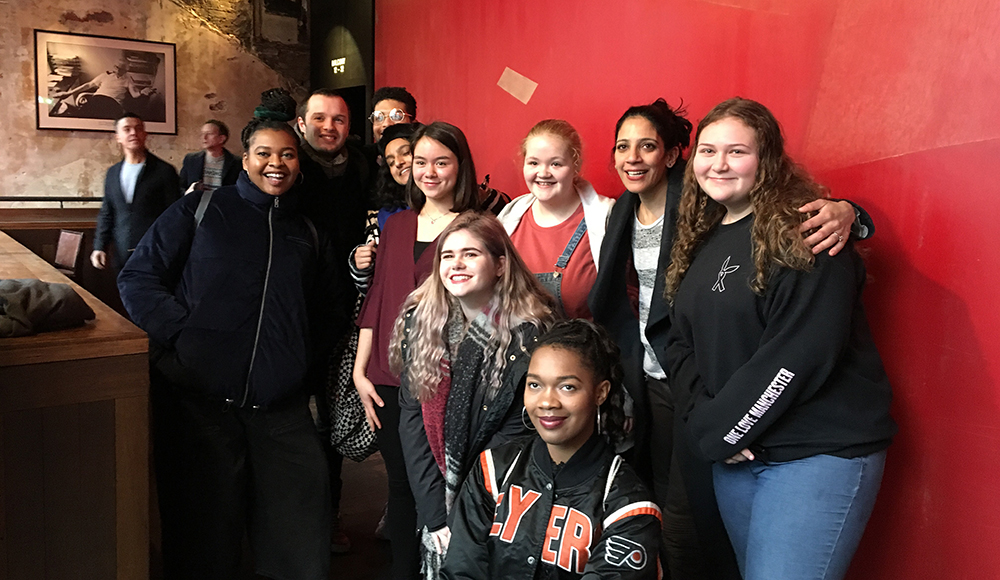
(552, 281)
(571, 246)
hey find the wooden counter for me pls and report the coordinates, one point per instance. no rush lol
(74, 443)
(71, 218)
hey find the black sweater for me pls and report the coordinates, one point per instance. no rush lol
(790, 374)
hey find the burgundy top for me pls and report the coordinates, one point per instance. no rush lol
(396, 275)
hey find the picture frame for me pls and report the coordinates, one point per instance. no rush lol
(84, 82)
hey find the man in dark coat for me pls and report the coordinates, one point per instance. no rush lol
(335, 184)
(136, 191)
(213, 166)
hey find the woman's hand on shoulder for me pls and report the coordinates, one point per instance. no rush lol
(832, 222)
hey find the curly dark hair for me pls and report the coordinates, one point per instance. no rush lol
(602, 358)
(388, 194)
(276, 109)
(396, 94)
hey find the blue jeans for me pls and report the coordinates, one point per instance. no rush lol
(797, 520)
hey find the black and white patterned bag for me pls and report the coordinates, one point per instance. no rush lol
(349, 432)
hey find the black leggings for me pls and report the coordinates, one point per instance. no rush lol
(401, 516)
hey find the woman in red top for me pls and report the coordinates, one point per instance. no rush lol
(559, 225)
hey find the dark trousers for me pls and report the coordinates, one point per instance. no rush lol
(401, 514)
(680, 550)
(333, 459)
(222, 473)
(694, 539)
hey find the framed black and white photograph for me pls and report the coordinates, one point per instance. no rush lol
(85, 82)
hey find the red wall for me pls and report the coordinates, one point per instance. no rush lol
(889, 102)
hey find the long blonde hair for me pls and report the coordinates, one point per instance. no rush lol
(517, 297)
(780, 189)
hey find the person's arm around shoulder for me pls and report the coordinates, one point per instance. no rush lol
(835, 221)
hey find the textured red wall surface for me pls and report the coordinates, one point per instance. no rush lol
(890, 103)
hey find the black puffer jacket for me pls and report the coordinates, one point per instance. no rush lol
(227, 307)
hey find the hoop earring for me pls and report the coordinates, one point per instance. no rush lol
(527, 424)
(301, 178)
(599, 420)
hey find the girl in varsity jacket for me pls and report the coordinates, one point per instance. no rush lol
(559, 504)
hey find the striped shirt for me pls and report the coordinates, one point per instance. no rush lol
(646, 256)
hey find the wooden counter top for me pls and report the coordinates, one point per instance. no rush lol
(109, 334)
(74, 467)
(73, 218)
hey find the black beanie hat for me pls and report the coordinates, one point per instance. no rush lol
(397, 131)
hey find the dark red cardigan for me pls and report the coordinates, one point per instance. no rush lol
(396, 275)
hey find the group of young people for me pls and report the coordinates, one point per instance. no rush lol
(779, 370)
(681, 381)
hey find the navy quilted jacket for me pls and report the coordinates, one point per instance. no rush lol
(238, 309)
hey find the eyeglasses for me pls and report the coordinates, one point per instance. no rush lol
(395, 115)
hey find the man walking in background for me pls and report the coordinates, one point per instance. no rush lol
(136, 191)
(213, 166)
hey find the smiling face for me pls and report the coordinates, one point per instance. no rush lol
(468, 271)
(326, 124)
(561, 397)
(548, 168)
(385, 106)
(435, 170)
(399, 158)
(272, 161)
(725, 164)
(641, 159)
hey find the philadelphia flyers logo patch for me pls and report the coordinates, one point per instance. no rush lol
(622, 551)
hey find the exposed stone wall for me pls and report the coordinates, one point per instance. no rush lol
(280, 39)
(216, 78)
